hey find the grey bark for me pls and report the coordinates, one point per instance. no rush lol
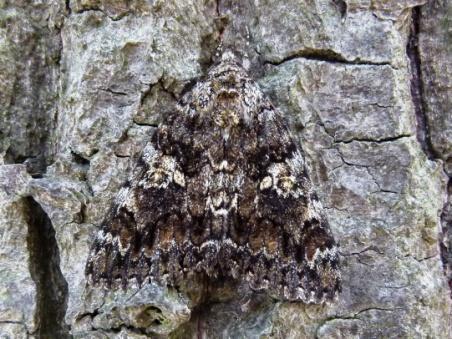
(366, 87)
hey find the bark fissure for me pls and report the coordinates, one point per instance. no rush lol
(354, 317)
(377, 140)
(417, 86)
(68, 6)
(423, 134)
(326, 55)
(445, 240)
(100, 10)
(51, 287)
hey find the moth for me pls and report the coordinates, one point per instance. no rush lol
(222, 190)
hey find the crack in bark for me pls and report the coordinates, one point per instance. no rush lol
(51, 287)
(358, 139)
(367, 168)
(113, 92)
(326, 55)
(342, 7)
(354, 316)
(378, 141)
(148, 91)
(382, 309)
(423, 133)
(100, 10)
(217, 7)
(419, 259)
(145, 124)
(68, 7)
(445, 239)
(367, 249)
(417, 86)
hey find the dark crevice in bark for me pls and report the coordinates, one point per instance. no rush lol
(97, 9)
(417, 86)
(424, 137)
(218, 7)
(114, 92)
(445, 237)
(68, 7)
(11, 158)
(36, 166)
(341, 6)
(326, 55)
(147, 91)
(445, 240)
(155, 125)
(377, 141)
(79, 159)
(51, 287)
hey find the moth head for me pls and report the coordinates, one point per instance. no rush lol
(220, 95)
(228, 72)
(227, 83)
(226, 97)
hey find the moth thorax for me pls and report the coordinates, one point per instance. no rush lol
(226, 113)
(226, 118)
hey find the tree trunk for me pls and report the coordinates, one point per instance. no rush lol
(366, 88)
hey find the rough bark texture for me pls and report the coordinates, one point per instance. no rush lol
(366, 86)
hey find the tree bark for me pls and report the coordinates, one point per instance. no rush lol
(366, 87)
